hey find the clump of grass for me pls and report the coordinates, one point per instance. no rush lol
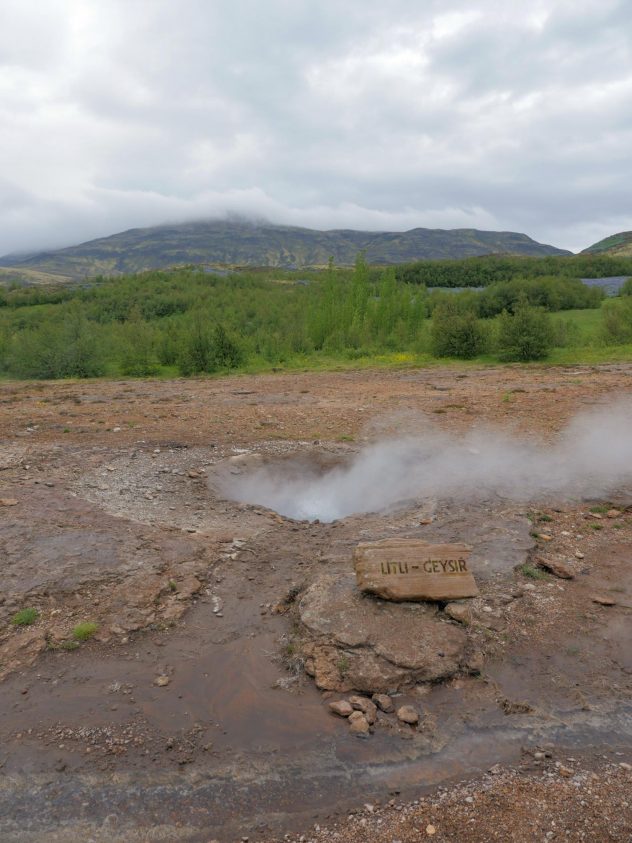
(25, 617)
(343, 665)
(173, 585)
(544, 517)
(596, 526)
(601, 509)
(68, 645)
(84, 631)
(533, 573)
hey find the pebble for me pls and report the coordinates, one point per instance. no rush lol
(408, 714)
(342, 708)
(161, 681)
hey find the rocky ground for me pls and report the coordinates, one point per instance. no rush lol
(221, 632)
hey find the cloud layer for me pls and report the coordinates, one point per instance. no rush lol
(366, 114)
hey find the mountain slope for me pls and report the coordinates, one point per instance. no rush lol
(231, 243)
(617, 245)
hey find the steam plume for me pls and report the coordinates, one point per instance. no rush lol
(590, 457)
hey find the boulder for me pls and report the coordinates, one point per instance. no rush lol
(371, 645)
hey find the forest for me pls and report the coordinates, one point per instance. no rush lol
(187, 321)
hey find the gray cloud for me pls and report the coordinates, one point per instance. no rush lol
(361, 114)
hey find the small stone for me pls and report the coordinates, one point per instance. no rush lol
(342, 708)
(597, 515)
(8, 502)
(368, 708)
(603, 601)
(613, 513)
(408, 714)
(579, 554)
(358, 724)
(161, 681)
(430, 830)
(558, 569)
(475, 662)
(458, 612)
(545, 537)
(383, 702)
(528, 586)
(625, 766)
(566, 772)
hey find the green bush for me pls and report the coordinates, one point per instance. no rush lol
(617, 320)
(456, 334)
(525, 334)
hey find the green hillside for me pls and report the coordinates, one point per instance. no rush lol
(242, 244)
(618, 245)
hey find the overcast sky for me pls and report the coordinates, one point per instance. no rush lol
(375, 114)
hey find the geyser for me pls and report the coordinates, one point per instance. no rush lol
(589, 458)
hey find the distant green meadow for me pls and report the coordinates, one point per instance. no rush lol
(186, 321)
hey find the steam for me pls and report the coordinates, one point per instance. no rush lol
(591, 457)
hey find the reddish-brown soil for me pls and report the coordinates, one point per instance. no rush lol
(187, 717)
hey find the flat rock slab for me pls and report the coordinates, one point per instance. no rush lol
(365, 643)
(410, 569)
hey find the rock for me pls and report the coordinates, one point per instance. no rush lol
(430, 830)
(579, 554)
(558, 569)
(613, 513)
(625, 766)
(475, 662)
(597, 515)
(162, 681)
(566, 772)
(460, 612)
(359, 725)
(603, 601)
(368, 708)
(383, 702)
(341, 707)
(371, 645)
(408, 714)
(409, 569)
(8, 502)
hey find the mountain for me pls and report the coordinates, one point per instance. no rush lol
(233, 243)
(617, 245)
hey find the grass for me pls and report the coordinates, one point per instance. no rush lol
(601, 509)
(343, 665)
(596, 526)
(533, 573)
(84, 631)
(25, 617)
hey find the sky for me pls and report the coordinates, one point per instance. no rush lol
(375, 115)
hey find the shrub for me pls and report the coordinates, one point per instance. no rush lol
(617, 320)
(525, 334)
(456, 334)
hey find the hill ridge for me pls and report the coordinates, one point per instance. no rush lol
(245, 243)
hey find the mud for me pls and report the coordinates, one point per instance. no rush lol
(123, 528)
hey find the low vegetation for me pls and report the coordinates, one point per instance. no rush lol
(188, 322)
(84, 631)
(25, 617)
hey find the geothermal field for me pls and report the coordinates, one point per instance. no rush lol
(381, 605)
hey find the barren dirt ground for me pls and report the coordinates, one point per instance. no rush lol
(188, 715)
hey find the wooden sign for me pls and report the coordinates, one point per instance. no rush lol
(409, 569)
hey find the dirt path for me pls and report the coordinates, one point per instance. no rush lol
(187, 716)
